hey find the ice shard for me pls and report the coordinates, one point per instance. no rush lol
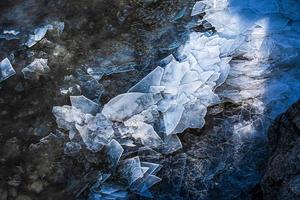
(131, 170)
(96, 132)
(6, 70)
(126, 105)
(113, 152)
(36, 69)
(39, 34)
(84, 104)
(152, 79)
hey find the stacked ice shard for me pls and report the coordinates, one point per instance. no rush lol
(179, 93)
(84, 119)
(164, 103)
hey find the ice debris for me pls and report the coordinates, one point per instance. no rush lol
(172, 98)
(84, 104)
(98, 134)
(37, 68)
(139, 177)
(181, 91)
(6, 70)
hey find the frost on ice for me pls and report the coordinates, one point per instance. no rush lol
(6, 70)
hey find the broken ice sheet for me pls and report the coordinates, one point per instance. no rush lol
(188, 119)
(148, 153)
(153, 168)
(131, 170)
(6, 69)
(146, 183)
(172, 117)
(179, 14)
(147, 135)
(84, 104)
(39, 33)
(96, 133)
(103, 190)
(143, 184)
(113, 152)
(171, 144)
(173, 73)
(152, 79)
(98, 72)
(66, 118)
(90, 87)
(37, 68)
(128, 104)
(110, 191)
(70, 90)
